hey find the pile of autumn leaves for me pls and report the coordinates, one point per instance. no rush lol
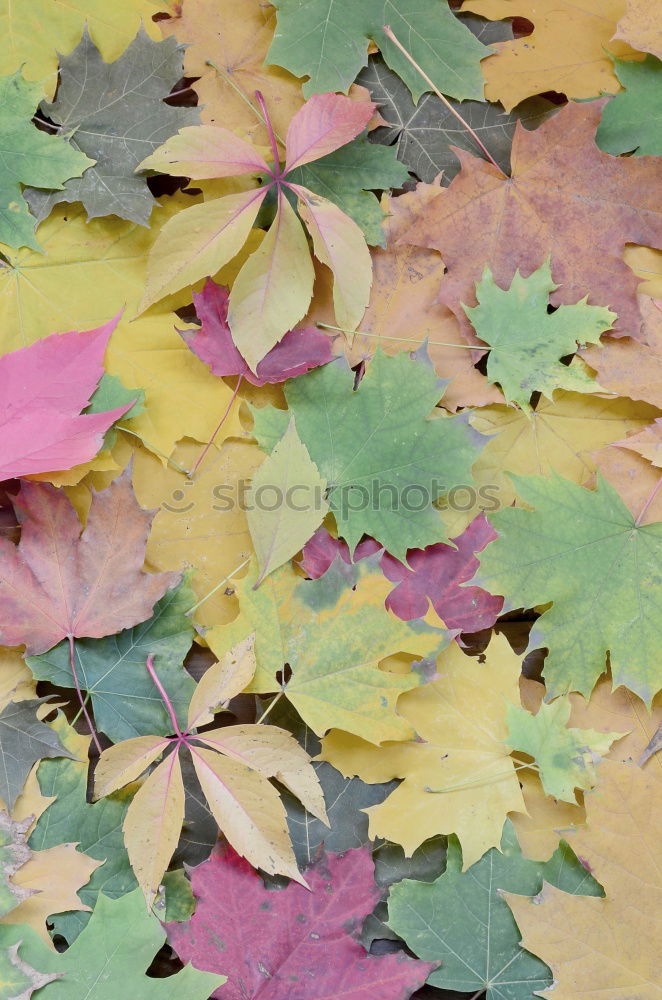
(436, 379)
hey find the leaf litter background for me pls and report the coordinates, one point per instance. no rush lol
(339, 748)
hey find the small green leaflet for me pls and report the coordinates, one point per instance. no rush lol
(29, 156)
(632, 120)
(527, 343)
(286, 503)
(115, 112)
(112, 670)
(115, 949)
(23, 741)
(327, 40)
(582, 550)
(462, 921)
(385, 458)
(566, 757)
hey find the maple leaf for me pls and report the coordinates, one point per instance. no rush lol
(273, 288)
(297, 937)
(31, 157)
(457, 777)
(233, 765)
(647, 443)
(106, 954)
(426, 133)
(568, 50)
(279, 529)
(43, 388)
(639, 26)
(566, 756)
(618, 710)
(300, 349)
(14, 853)
(546, 820)
(565, 551)
(461, 921)
(24, 740)
(526, 343)
(377, 447)
(17, 976)
(333, 636)
(586, 941)
(625, 124)
(60, 582)
(111, 670)
(561, 187)
(114, 113)
(328, 42)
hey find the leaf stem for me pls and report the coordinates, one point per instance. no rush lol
(649, 501)
(237, 89)
(83, 705)
(269, 707)
(272, 135)
(389, 34)
(404, 340)
(219, 585)
(164, 695)
(206, 448)
(152, 447)
(480, 781)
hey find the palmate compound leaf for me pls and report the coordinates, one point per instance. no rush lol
(562, 187)
(526, 342)
(385, 459)
(274, 286)
(334, 637)
(286, 503)
(628, 123)
(566, 756)
(457, 776)
(233, 765)
(461, 920)
(116, 114)
(327, 41)
(61, 582)
(607, 947)
(24, 739)
(43, 389)
(294, 943)
(112, 670)
(116, 948)
(30, 156)
(584, 551)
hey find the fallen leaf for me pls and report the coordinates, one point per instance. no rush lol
(25, 740)
(115, 114)
(647, 443)
(60, 582)
(16, 681)
(625, 123)
(639, 26)
(620, 710)
(44, 388)
(291, 936)
(546, 820)
(564, 550)
(621, 364)
(458, 777)
(14, 853)
(586, 941)
(568, 50)
(561, 187)
(634, 479)
(33, 157)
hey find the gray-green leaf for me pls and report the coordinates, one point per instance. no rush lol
(23, 741)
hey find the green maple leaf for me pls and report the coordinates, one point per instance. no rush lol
(327, 41)
(348, 177)
(583, 550)
(461, 920)
(115, 113)
(112, 670)
(113, 952)
(29, 156)
(631, 120)
(385, 459)
(526, 342)
(566, 757)
(23, 741)
(18, 979)
(14, 852)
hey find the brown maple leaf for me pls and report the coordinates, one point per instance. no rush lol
(60, 582)
(566, 199)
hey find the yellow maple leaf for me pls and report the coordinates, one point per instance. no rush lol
(647, 265)
(16, 681)
(459, 777)
(609, 946)
(35, 31)
(619, 710)
(546, 819)
(640, 26)
(568, 50)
